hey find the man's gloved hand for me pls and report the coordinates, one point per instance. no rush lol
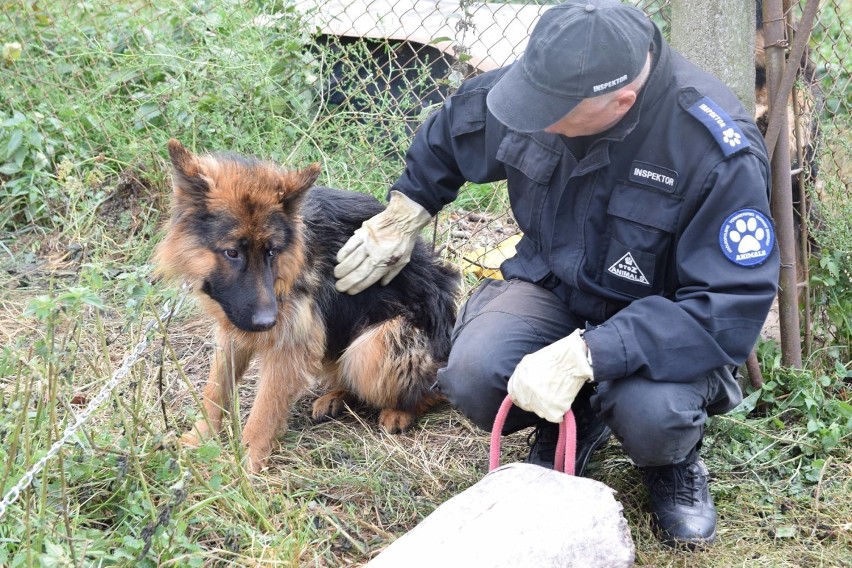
(547, 381)
(381, 247)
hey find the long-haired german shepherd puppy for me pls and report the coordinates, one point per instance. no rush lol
(257, 244)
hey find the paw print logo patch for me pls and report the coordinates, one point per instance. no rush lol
(730, 137)
(721, 126)
(746, 237)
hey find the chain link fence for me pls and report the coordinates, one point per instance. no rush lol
(415, 53)
(92, 90)
(386, 64)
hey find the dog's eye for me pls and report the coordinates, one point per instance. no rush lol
(232, 253)
(272, 252)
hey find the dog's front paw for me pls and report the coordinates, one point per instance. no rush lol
(255, 459)
(395, 421)
(330, 405)
(196, 436)
(190, 439)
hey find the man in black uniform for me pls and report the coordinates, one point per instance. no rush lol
(647, 264)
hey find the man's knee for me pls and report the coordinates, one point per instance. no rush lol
(499, 325)
(656, 423)
(482, 359)
(472, 386)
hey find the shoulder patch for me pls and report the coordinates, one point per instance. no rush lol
(725, 131)
(747, 237)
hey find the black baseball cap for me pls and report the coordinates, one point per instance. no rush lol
(577, 50)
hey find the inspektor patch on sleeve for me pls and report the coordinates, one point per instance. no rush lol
(746, 237)
(723, 128)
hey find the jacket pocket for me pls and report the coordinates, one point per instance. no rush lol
(529, 167)
(468, 111)
(642, 226)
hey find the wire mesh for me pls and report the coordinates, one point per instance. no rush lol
(346, 82)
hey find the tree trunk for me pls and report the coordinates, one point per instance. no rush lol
(718, 36)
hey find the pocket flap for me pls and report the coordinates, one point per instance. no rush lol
(529, 156)
(645, 207)
(468, 112)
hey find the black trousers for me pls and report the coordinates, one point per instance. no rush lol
(657, 423)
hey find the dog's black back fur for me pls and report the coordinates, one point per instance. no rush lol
(424, 291)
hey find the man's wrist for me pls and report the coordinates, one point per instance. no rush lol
(587, 350)
(408, 215)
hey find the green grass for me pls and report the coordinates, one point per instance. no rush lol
(90, 100)
(335, 493)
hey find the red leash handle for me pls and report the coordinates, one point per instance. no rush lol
(566, 443)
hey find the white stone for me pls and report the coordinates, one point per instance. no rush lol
(519, 516)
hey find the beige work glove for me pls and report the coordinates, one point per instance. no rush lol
(381, 247)
(547, 381)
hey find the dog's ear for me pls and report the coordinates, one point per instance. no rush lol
(295, 185)
(189, 172)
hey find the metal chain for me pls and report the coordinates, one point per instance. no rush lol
(129, 360)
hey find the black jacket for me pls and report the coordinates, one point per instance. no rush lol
(659, 236)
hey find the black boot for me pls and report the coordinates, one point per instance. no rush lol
(542, 442)
(592, 433)
(681, 506)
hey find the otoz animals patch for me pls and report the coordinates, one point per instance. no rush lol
(747, 237)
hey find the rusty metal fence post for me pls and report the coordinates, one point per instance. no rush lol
(782, 199)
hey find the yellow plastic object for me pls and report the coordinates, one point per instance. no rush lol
(485, 262)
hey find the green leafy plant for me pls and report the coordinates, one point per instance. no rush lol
(26, 151)
(831, 283)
